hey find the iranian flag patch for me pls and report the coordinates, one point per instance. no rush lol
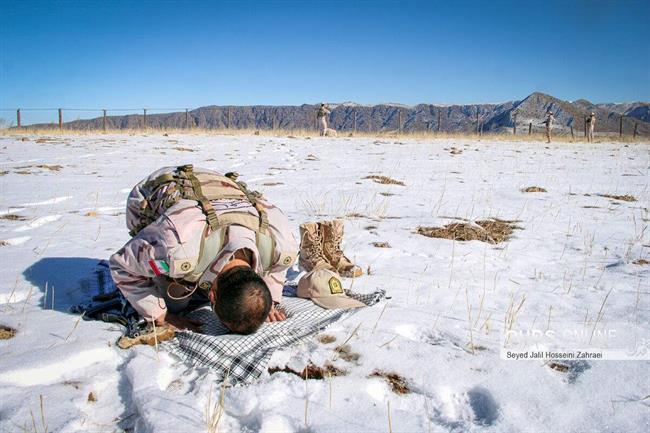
(159, 267)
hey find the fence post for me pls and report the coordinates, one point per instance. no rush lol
(530, 128)
(187, 119)
(60, 119)
(514, 120)
(620, 127)
(635, 126)
(572, 136)
(144, 119)
(354, 122)
(104, 121)
(585, 122)
(438, 119)
(18, 117)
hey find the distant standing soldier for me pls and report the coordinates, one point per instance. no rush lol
(549, 124)
(321, 115)
(591, 124)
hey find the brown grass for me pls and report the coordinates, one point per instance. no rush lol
(91, 397)
(345, 353)
(562, 368)
(492, 231)
(533, 189)
(13, 217)
(641, 262)
(326, 339)
(397, 383)
(381, 244)
(308, 133)
(50, 167)
(385, 180)
(311, 371)
(6, 332)
(184, 149)
(626, 197)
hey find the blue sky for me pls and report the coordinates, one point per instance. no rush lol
(116, 54)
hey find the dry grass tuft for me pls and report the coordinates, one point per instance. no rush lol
(6, 332)
(562, 368)
(184, 149)
(272, 183)
(398, 384)
(345, 353)
(311, 371)
(326, 338)
(91, 397)
(4, 243)
(641, 262)
(4, 172)
(626, 197)
(492, 231)
(92, 213)
(311, 157)
(385, 180)
(50, 167)
(13, 217)
(533, 189)
(381, 244)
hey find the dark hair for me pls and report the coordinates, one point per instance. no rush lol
(243, 300)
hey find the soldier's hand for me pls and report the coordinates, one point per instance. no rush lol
(178, 322)
(276, 315)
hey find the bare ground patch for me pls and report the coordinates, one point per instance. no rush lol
(397, 383)
(385, 180)
(492, 231)
(311, 371)
(533, 189)
(625, 197)
(13, 217)
(326, 339)
(6, 332)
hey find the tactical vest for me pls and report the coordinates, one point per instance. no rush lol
(203, 187)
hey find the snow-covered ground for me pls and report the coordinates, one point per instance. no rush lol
(570, 265)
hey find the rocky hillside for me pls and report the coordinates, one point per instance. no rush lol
(391, 117)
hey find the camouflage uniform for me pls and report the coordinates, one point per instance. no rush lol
(591, 124)
(321, 115)
(550, 119)
(170, 248)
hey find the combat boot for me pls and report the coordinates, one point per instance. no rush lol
(332, 232)
(311, 248)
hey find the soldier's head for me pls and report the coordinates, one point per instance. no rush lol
(241, 300)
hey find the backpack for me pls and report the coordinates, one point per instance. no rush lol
(166, 190)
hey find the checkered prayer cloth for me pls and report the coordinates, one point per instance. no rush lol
(243, 358)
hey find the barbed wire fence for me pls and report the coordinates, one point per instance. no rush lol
(102, 119)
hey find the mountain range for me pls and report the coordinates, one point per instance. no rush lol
(392, 117)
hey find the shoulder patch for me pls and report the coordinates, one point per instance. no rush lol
(181, 266)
